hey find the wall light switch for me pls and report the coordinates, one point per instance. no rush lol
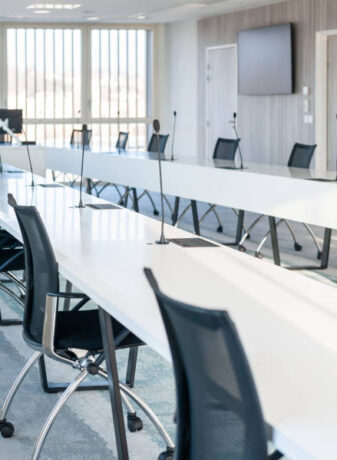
(305, 90)
(308, 119)
(306, 106)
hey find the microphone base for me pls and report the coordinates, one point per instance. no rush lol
(79, 206)
(162, 240)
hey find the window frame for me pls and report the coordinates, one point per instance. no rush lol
(86, 112)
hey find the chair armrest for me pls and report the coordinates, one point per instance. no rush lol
(68, 295)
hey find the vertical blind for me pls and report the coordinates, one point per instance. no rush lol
(47, 79)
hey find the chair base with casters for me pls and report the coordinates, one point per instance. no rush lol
(197, 221)
(58, 343)
(297, 246)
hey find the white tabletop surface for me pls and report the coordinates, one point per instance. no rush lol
(278, 191)
(287, 322)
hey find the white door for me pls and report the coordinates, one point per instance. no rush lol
(221, 93)
(332, 101)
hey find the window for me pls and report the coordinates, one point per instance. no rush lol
(45, 78)
(119, 84)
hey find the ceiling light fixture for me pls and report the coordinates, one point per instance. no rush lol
(41, 12)
(93, 18)
(196, 5)
(53, 6)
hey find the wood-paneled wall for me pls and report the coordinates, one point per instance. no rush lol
(269, 125)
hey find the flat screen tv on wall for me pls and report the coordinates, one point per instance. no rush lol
(265, 60)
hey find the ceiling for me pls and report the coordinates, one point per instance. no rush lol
(122, 11)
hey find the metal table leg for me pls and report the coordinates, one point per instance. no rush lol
(115, 397)
(276, 252)
(274, 240)
(135, 200)
(239, 230)
(131, 370)
(195, 217)
(175, 210)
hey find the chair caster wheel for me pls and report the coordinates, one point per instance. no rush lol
(319, 255)
(155, 212)
(297, 247)
(167, 455)
(134, 423)
(7, 429)
(258, 255)
(248, 236)
(121, 203)
(220, 229)
(241, 248)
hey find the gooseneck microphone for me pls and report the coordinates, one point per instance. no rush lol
(84, 136)
(237, 138)
(156, 129)
(173, 134)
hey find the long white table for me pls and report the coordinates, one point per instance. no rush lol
(275, 191)
(271, 190)
(287, 322)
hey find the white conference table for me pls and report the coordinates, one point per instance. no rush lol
(287, 322)
(276, 191)
(271, 190)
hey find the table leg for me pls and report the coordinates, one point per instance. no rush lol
(89, 186)
(274, 240)
(239, 226)
(326, 248)
(115, 397)
(135, 200)
(195, 217)
(175, 210)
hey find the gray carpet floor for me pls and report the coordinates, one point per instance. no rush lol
(84, 428)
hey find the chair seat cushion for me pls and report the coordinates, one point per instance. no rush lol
(81, 329)
(7, 240)
(17, 264)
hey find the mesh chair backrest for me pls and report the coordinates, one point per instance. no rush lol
(218, 411)
(41, 268)
(225, 149)
(122, 140)
(77, 137)
(301, 156)
(153, 144)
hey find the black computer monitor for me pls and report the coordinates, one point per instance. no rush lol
(14, 118)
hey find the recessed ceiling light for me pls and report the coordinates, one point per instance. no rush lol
(93, 18)
(41, 12)
(53, 6)
(196, 5)
(138, 16)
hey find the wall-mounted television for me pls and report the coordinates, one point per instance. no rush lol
(265, 60)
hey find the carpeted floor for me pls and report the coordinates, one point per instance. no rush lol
(84, 428)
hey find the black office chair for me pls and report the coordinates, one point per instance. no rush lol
(219, 415)
(225, 149)
(12, 259)
(55, 333)
(153, 144)
(122, 140)
(78, 138)
(152, 148)
(121, 143)
(300, 157)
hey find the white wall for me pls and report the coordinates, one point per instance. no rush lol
(175, 83)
